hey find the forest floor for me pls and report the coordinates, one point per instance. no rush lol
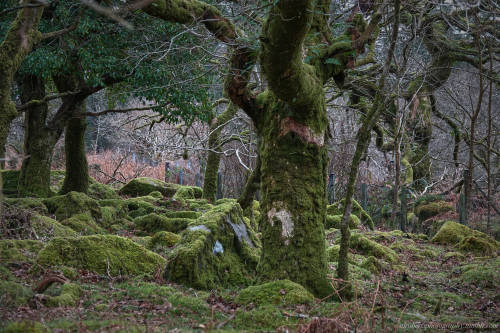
(429, 287)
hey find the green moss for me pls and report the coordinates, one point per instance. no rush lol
(263, 318)
(108, 254)
(482, 274)
(100, 191)
(372, 265)
(145, 185)
(139, 207)
(431, 209)
(199, 204)
(13, 294)
(187, 192)
(466, 239)
(110, 215)
(479, 245)
(154, 222)
(70, 294)
(218, 249)
(72, 203)
(120, 205)
(25, 327)
(453, 255)
(332, 253)
(46, 228)
(156, 194)
(13, 250)
(357, 210)
(164, 239)
(83, 224)
(404, 246)
(280, 292)
(32, 204)
(370, 248)
(183, 214)
(334, 221)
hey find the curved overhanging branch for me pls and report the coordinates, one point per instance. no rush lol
(242, 58)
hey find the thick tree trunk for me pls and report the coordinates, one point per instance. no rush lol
(214, 145)
(39, 142)
(293, 183)
(77, 170)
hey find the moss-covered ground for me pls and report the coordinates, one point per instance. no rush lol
(403, 282)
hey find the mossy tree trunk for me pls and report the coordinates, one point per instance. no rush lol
(39, 141)
(77, 170)
(251, 187)
(214, 147)
(18, 42)
(364, 137)
(290, 118)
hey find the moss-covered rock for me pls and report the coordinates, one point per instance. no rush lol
(199, 205)
(337, 209)
(164, 239)
(218, 249)
(154, 223)
(46, 228)
(266, 318)
(31, 204)
(69, 296)
(83, 224)
(368, 247)
(72, 203)
(372, 265)
(25, 327)
(334, 221)
(183, 214)
(14, 250)
(139, 207)
(110, 215)
(113, 255)
(13, 294)
(145, 185)
(100, 191)
(187, 192)
(156, 194)
(280, 292)
(428, 210)
(466, 239)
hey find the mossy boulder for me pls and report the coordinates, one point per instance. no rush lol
(110, 215)
(217, 249)
(154, 222)
(72, 203)
(46, 228)
(428, 210)
(100, 191)
(139, 207)
(103, 254)
(31, 204)
(183, 214)
(337, 209)
(25, 326)
(280, 292)
(187, 192)
(334, 221)
(83, 224)
(164, 239)
(15, 250)
(69, 296)
(156, 194)
(466, 239)
(199, 205)
(13, 294)
(368, 247)
(145, 185)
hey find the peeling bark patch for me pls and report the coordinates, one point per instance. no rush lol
(303, 131)
(286, 222)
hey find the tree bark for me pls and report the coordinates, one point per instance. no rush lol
(39, 141)
(77, 169)
(214, 145)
